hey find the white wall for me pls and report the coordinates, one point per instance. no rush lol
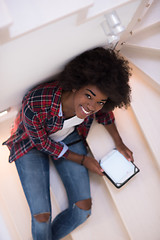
(27, 60)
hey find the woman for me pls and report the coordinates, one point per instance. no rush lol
(54, 121)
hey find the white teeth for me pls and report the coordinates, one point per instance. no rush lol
(85, 110)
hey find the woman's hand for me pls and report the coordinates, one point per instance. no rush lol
(93, 165)
(125, 151)
(88, 162)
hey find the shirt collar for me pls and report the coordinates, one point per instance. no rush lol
(55, 108)
(60, 114)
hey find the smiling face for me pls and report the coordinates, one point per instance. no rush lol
(88, 100)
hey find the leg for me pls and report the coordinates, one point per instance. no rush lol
(76, 181)
(33, 170)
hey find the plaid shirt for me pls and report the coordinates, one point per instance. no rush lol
(39, 117)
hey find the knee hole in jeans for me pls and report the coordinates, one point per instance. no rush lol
(84, 204)
(42, 217)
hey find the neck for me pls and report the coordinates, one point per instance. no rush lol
(67, 104)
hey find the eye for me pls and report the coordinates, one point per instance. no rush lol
(88, 96)
(101, 103)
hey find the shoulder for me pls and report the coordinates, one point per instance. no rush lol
(43, 96)
(105, 117)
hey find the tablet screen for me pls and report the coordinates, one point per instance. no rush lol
(117, 167)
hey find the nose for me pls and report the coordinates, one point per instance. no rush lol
(91, 106)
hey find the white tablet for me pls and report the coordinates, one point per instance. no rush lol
(117, 168)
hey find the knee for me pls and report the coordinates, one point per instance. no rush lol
(84, 209)
(42, 217)
(84, 204)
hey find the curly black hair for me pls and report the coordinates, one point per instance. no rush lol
(103, 68)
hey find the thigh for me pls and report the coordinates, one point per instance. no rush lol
(74, 176)
(33, 170)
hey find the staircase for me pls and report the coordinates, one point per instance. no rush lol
(137, 204)
(129, 213)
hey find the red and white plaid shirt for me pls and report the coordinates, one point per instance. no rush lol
(39, 117)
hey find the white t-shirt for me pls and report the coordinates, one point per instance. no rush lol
(68, 128)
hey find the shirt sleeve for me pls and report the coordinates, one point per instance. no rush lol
(38, 135)
(105, 118)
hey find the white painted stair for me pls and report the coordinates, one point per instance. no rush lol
(150, 17)
(143, 51)
(26, 16)
(133, 202)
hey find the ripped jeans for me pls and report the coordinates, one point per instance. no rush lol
(33, 170)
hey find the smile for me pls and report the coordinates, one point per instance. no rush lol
(85, 111)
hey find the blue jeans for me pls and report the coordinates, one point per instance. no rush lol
(33, 170)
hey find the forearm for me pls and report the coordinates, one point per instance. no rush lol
(74, 157)
(88, 162)
(121, 147)
(112, 129)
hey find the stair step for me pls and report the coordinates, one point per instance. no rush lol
(151, 50)
(146, 107)
(13, 216)
(135, 26)
(150, 18)
(135, 198)
(8, 230)
(30, 15)
(146, 38)
(147, 61)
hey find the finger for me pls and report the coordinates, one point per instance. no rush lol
(100, 171)
(127, 154)
(130, 156)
